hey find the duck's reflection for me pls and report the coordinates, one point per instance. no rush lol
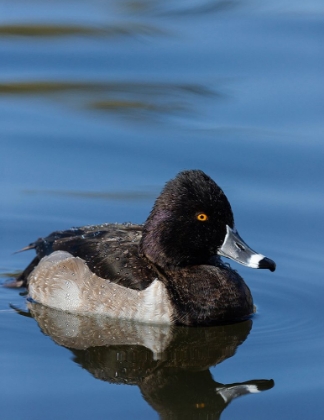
(169, 364)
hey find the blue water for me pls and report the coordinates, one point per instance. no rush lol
(93, 123)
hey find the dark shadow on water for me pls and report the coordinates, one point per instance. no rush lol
(179, 9)
(203, 8)
(103, 195)
(170, 365)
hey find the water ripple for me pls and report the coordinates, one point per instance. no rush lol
(287, 312)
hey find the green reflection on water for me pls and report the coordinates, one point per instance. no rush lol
(172, 8)
(37, 30)
(134, 87)
(116, 96)
(117, 105)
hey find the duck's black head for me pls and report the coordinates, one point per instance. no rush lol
(187, 224)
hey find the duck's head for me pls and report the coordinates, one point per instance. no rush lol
(191, 222)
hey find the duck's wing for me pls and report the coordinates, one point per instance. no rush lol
(110, 251)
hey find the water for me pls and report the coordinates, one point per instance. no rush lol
(95, 115)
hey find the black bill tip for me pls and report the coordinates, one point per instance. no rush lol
(267, 263)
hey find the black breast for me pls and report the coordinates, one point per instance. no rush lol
(209, 294)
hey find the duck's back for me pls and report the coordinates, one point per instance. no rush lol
(109, 250)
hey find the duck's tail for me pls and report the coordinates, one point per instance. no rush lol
(21, 280)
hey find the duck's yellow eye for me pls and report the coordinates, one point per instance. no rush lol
(202, 217)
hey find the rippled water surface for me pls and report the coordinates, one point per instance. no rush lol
(101, 102)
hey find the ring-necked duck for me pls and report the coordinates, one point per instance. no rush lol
(165, 271)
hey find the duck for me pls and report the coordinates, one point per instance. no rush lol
(166, 271)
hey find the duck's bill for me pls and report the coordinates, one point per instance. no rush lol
(236, 249)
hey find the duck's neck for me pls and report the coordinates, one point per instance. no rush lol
(151, 245)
